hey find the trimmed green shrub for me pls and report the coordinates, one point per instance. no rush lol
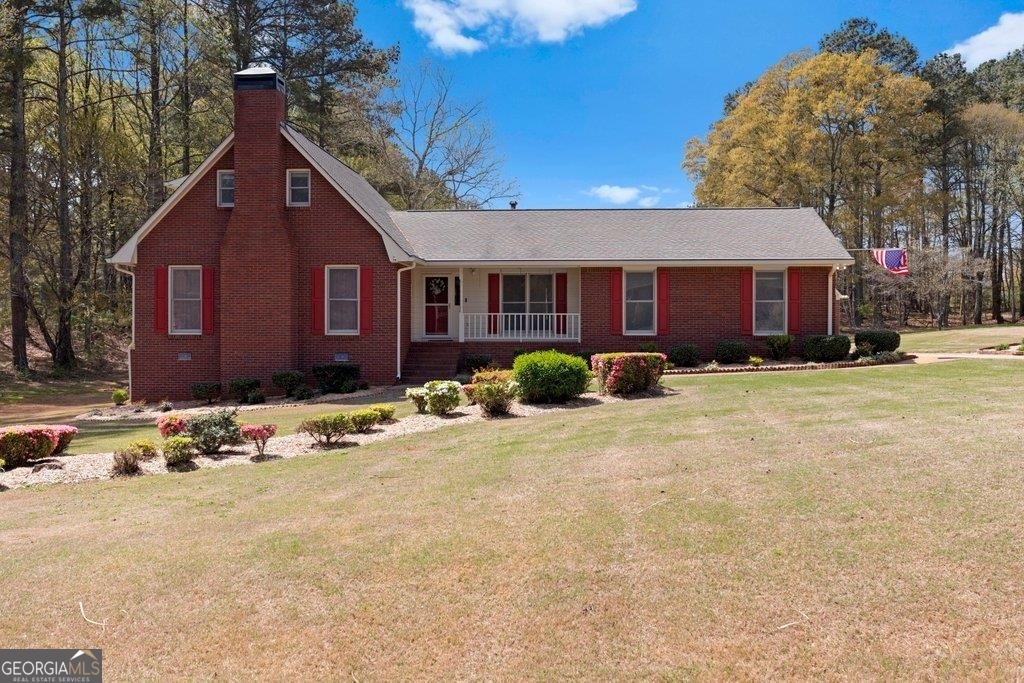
(363, 420)
(442, 396)
(385, 411)
(126, 463)
(492, 376)
(495, 398)
(178, 450)
(864, 350)
(326, 428)
(255, 396)
(820, 348)
(779, 345)
(471, 362)
(288, 381)
(144, 449)
(756, 361)
(205, 391)
(550, 376)
(239, 388)
(727, 352)
(418, 395)
(684, 355)
(21, 443)
(880, 340)
(647, 347)
(336, 378)
(119, 397)
(211, 431)
(303, 393)
(628, 373)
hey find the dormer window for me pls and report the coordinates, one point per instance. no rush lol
(298, 187)
(225, 188)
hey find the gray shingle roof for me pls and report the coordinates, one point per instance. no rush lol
(715, 235)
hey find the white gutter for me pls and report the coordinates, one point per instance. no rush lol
(127, 270)
(398, 322)
(831, 297)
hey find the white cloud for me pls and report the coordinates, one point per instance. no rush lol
(648, 202)
(994, 42)
(613, 194)
(455, 26)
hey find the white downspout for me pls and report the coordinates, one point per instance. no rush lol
(831, 297)
(131, 347)
(398, 323)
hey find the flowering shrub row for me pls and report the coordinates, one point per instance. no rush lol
(21, 443)
(627, 373)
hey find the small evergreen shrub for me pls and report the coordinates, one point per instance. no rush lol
(880, 340)
(864, 350)
(550, 376)
(126, 463)
(756, 361)
(727, 352)
(303, 393)
(336, 378)
(144, 449)
(165, 406)
(205, 391)
(418, 395)
(119, 397)
(239, 388)
(684, 356)
(211, 431)
(484, 376)
(385, 411)
(288, 381)
(471, 362)
(442, 396)
(170, 425)
(255, 396)
(495, 398)
(258, 434)
(779, 345)
(822, 348)
(178, 450)
(21, 443)
(628, 373)
(363, 420)
(647, 347)
(327, 428)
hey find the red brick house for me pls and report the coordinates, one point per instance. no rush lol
(273, 255)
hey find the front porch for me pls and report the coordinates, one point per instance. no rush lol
(495, 305)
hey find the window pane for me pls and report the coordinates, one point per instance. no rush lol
(300, 195)
(513, 288)
(769, 316)
(186, 283)
(185, 316)
(639, 317)
(226, 188)
(513, 307)
(344, 316)
(300, 180)
(769, 287)
(541, 289)
(639, 286)
(342, 283)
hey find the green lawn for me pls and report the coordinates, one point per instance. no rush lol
(833, 524)
(961, 339)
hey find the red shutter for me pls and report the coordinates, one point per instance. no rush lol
(615, 283)
(366, 300)
(561, 302)
(160, 312)
(493, 302)
(317, 298)
(747, 302)
(663, 298)
(209, 278)
(793, 305)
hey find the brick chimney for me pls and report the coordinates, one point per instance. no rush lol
(257, 259)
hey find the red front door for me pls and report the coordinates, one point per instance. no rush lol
(436, 312)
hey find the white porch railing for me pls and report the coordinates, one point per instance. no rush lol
(520, 326)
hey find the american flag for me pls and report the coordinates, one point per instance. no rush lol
(893, 260)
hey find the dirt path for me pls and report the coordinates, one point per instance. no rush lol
(926, 358)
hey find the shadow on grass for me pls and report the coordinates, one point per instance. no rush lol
(183, 467)
(266, 457)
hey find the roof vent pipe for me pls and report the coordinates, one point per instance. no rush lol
(513, 204)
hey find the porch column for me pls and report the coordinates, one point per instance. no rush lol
(462, 319)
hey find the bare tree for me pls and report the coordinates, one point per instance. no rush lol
(439, 153)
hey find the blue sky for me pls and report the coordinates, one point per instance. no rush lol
(593, 100)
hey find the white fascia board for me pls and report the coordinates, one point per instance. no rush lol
(775, 263)
(127, 255)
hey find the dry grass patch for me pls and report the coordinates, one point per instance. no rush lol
(828, 524)
(961, 339)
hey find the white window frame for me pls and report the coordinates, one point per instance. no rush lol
(220, 176)
(785, 302)
(294, 172)
(526, 291)
(327, 301)
(171, 270)
(654, 303)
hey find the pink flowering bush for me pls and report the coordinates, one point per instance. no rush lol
(21, 443)
(63, 433)
(258, 434)
(170, 425)
(627, 373)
